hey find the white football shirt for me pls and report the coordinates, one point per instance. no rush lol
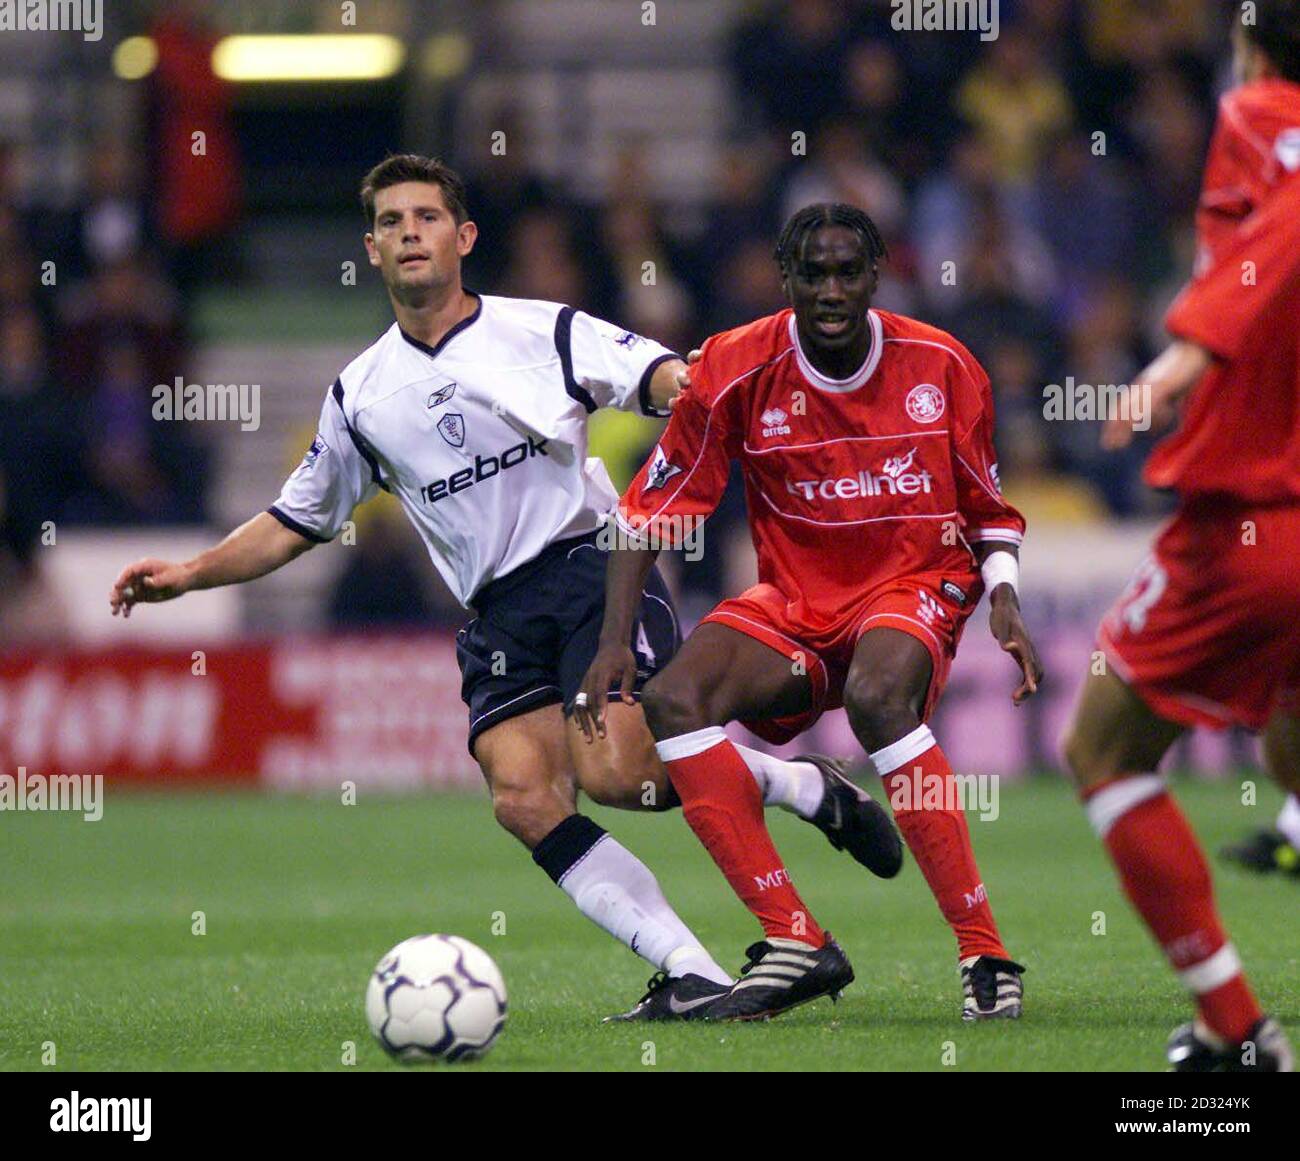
(482, 438)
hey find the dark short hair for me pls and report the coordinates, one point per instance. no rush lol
(400, 167)
(803, 223)
(1275, 31)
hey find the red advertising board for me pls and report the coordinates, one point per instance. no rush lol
(295, 713)
(384, 712)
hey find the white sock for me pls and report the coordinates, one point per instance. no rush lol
(796, 786)
(617, 891)
(1288, 822)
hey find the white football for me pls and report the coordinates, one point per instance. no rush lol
(436, 997)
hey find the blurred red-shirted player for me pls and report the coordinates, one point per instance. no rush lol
(866, 441)
(1208, 632)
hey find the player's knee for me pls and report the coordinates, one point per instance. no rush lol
(613, 784)
(1083, 758)
(672, 708)
(527, 814)
(624, 790)
(879, 708)
(601, 785)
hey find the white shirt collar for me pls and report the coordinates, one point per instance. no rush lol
(854, 381)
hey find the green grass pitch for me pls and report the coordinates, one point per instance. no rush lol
(301, 896)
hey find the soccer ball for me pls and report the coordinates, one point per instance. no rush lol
(436, 997)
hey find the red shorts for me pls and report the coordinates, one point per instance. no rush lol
(930, 608)
(1208, 631)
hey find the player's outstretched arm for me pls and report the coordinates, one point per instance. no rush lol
(614, 663)
(1005, 621)
(255, 548)
(1166, 380)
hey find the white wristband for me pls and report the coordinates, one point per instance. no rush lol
(1001, 568)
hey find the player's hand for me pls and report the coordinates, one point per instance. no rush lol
(1009, 629)
(1157, 392)
(149, 581)
(1155, 400)
(614, 664)
(684, 377)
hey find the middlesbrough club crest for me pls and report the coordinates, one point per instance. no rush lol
(925, 403)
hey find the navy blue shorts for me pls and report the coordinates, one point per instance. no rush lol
(537, 630)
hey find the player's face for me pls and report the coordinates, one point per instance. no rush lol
(416, 243)
(830, 287)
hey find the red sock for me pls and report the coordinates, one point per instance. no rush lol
(724, 807)
(1166, 877)
(921, 789)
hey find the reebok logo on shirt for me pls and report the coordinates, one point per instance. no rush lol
(485, 467)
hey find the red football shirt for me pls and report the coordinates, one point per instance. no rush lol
(1240, 431)
(850, 483)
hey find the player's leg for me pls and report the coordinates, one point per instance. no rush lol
(623, 770)
(719, 675)
(1282, 752)
(615, 770)
(1277, 848)
(525, 760)
(885, 697)
(1113, 747)
(532, 792)
(1204, 634)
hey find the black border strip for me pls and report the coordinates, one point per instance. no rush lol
(293, 526)
(643, 388)
(564, 346)
(366, 453)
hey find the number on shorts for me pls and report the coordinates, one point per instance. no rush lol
(643, 645)
(1146, 587)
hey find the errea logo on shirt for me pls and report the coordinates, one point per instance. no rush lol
(774, 422)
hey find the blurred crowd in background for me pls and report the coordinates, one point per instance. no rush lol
(1036, 193)
(95, 305)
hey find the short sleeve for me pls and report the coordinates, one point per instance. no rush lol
(985, 513)
(606, 366)
(1253, 271)
(333, 478)
(686, 474)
